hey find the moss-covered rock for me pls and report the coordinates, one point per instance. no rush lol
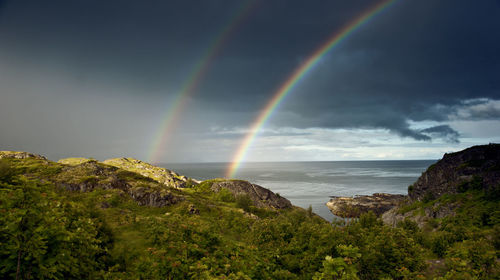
(20, 155)
(259, 196)
(162, 175)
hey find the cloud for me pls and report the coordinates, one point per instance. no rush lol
(127, 60)
(478, 109)
(442, 131)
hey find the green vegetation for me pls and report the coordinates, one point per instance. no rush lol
(74, 161)
(48, 231)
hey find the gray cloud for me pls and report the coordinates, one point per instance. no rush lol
(478, 109)
(442, 131)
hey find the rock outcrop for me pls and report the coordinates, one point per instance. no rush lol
(475, 167)
(394, 215)
(353, 207)
(92, 174)
(261, 197)
(20, 155)
(159, 174)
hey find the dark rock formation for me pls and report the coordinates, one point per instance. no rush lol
(475, 167)
(261, 197)
(353, 207)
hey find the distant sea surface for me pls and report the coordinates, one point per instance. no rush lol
(312, 183)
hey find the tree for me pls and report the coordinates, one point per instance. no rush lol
(44, 236)
(342, 267)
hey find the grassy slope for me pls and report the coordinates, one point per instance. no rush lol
(221, 240)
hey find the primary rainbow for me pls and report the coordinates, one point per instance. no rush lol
(191, 83)
(296, 76)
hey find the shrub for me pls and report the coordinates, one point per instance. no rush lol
(244, 202)
(440, 242)
(410, 188)
(225, 195)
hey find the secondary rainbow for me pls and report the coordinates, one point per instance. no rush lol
(170, 119)
(296, 76)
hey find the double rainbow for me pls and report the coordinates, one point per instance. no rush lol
(296, 76)
(170, 119)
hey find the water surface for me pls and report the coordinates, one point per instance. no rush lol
(312, 183)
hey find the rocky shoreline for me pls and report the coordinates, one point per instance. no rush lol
(474, 168)
(353, 207)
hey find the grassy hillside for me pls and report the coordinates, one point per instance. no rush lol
(83, 219)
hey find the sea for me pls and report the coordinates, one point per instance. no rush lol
(313, 183)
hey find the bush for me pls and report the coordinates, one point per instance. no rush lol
(244, 202)
(225, 195)
(6, 171)
(46, 237)
(410, 188)
(476, 258)
(440, 242)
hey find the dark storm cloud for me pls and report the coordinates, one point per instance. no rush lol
(146, 44)
(417, 61)
(420, 61)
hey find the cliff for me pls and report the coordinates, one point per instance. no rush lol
(446, 187)
(477, 167)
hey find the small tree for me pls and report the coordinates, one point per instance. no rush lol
(44, 236)
(341, 267)
(244, 202)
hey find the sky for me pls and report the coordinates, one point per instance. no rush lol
(96, 79)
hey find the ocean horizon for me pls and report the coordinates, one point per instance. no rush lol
(312, 183)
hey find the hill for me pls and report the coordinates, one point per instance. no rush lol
(126, 219)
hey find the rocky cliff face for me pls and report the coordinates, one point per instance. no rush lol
(475, 167)
(261, 197)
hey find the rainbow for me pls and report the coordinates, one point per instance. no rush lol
(297, 75)
(172, 114)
